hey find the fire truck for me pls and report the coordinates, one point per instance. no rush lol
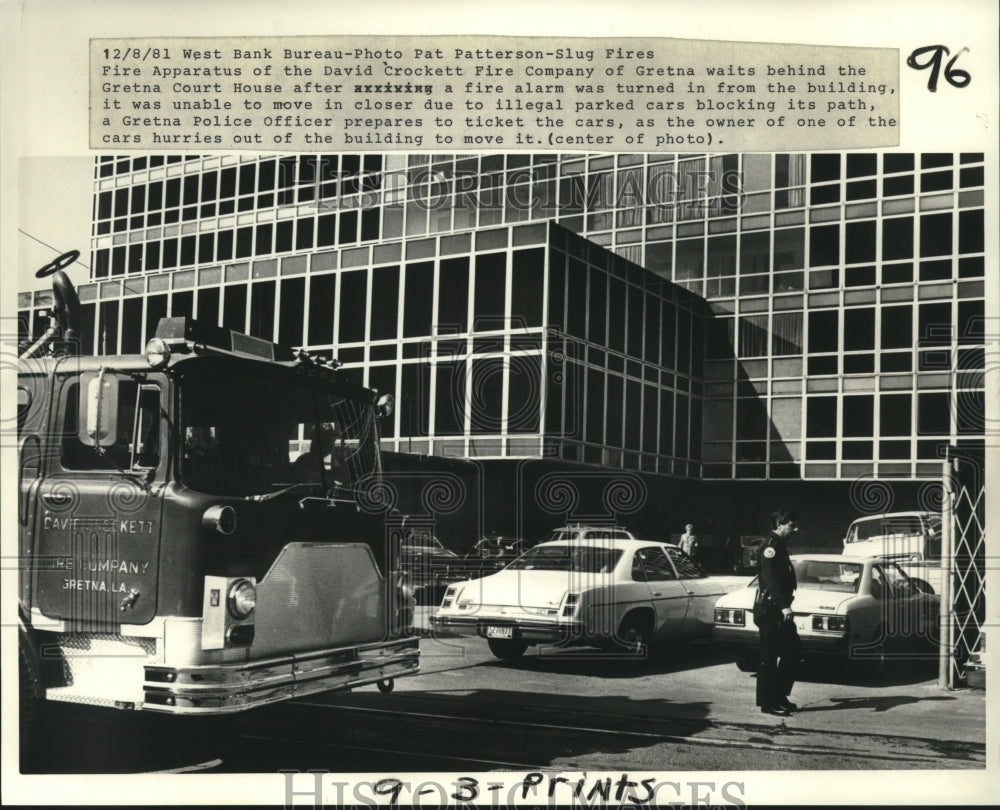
(177, 555)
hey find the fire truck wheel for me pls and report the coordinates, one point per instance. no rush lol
(386, 685)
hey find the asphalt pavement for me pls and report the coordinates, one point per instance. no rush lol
(904, 700)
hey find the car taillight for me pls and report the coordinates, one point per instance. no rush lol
(455, 595)
(570, 604)
(730, 616)
(830, 623)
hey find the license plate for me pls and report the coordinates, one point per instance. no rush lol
(495, 631)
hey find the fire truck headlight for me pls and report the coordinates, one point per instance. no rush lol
(220, 518)
(242, 598)
(157, 352)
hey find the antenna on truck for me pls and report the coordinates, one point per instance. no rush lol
(65, 314)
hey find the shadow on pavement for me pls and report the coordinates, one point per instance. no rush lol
(893, 672)
(559, 725)
(869, 674)
(876, 704)
(597, 663)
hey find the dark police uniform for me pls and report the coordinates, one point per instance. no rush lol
(779, 639)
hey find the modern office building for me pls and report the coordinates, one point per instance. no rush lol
(729, 330)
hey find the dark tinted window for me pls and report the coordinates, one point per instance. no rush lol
(686, 567)
(651, 565)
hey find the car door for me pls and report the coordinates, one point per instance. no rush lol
(667, 594)
(910, 615)
(99, 521)
(702, 590)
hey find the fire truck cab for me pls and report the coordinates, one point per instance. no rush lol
(179, 552)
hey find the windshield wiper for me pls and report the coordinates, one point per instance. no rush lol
(267, 496)
(331, 497)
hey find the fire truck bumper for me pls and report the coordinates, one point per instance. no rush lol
(225, 688)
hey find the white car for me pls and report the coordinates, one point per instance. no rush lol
(857, 608)
(599, 591)
(911, 539)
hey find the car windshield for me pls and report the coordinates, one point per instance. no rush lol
(496, 547)
(243, 435)
(584, 559)
(885, 527)
(828, 575)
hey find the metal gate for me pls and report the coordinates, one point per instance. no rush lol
(964, 563)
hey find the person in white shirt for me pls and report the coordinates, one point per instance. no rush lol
(689, 542)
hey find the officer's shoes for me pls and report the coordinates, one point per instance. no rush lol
(788, 705)
(778, 711)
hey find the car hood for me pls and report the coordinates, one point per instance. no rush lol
(807, 600)
(528, 588)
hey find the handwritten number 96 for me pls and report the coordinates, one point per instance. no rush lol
(954, 76)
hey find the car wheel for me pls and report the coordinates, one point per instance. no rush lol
(507, 649)
(746, 661)
(633, 637)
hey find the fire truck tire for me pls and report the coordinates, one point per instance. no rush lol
(28, 702)
(386, 685)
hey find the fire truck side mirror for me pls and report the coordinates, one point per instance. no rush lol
(99, 411)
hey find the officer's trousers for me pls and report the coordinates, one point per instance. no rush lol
(780, 657)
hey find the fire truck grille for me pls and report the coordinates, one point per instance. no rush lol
(319, 595)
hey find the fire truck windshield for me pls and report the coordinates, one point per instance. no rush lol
(244, 435)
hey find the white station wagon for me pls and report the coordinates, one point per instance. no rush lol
(854, 608)
(606, 592)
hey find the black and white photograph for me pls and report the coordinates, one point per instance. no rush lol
(561, 474)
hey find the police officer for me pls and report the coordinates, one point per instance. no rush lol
(780, 647)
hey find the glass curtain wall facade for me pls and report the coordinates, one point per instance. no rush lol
(835, 301)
